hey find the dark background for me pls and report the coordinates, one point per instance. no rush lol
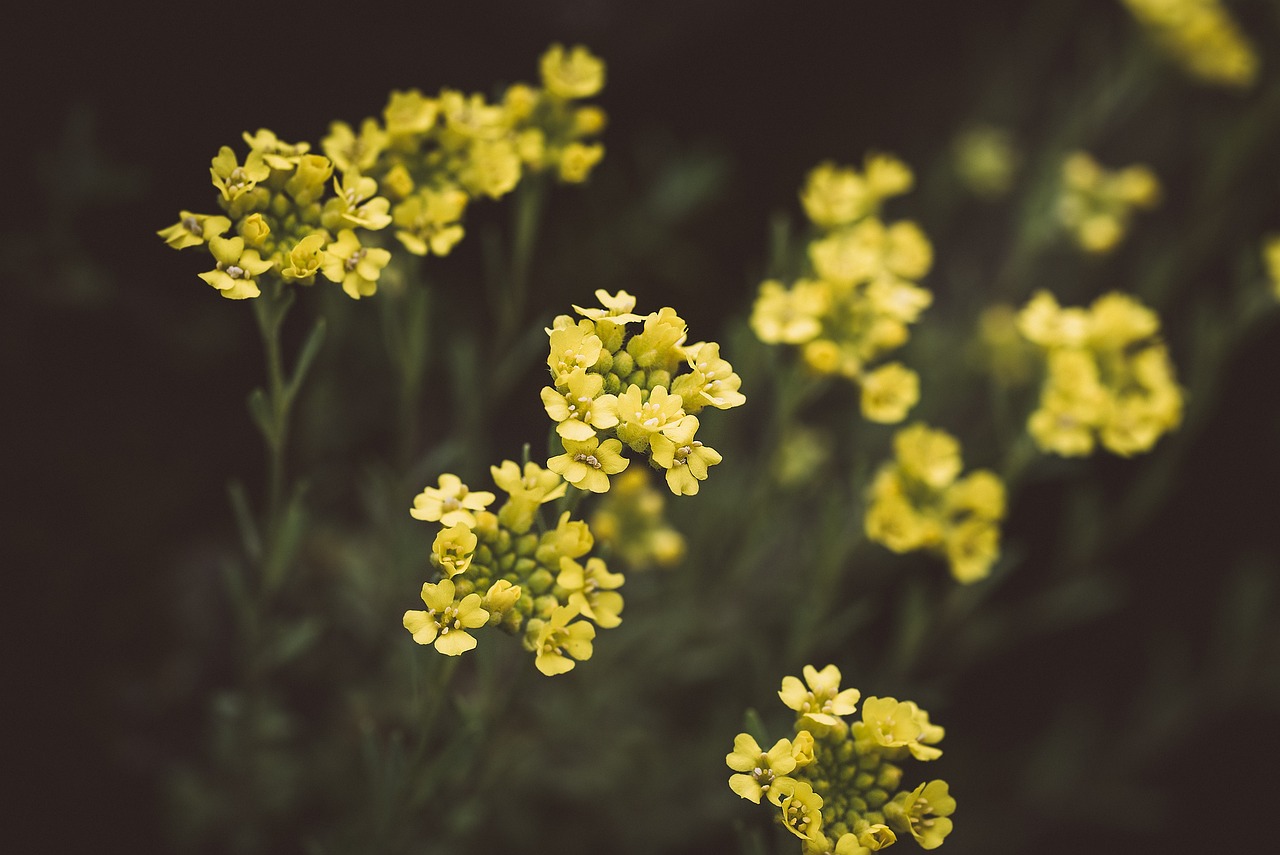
(126, 375)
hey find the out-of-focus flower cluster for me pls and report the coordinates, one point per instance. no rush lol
(614, 386)
(1097, 204)
(630, 523)
(919, 501)
(1109, 378)
(294, 214)
(859, 296)
(838, 785)
(1202, 37)
(1271, 259)
(986, 159)
(494, 569)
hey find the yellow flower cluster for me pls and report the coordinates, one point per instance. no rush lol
(1096, 204)
(1109, 378)
(629, 523)
(859, 296)
(918, 501)
(614, 386)
(415, 172)
(837, 785)
(1271, 258)
(1202, 37)
(496, 571)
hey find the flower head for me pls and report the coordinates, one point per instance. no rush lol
(759, 772)
(822, 701)
(446, 620)
(450, 503)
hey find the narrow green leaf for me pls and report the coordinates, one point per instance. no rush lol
(306, 357)
(250, 539)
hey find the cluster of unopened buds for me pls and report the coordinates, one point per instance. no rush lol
(836, 784)
(859, 295)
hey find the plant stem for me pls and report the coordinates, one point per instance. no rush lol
(270, 310)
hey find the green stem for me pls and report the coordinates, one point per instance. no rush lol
(270, 310)
(527, 218)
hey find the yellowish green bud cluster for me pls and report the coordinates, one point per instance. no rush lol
(630, 521)
(614, 386)
(1109, 378)
(860, 295)
(985, 160)
(1096, 204)
(1201, 36)
(297, 214)
(837, 785)
(495, 570)
(918, 501)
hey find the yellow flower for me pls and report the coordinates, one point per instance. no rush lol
(618, 308)
(931, 456)
(427, 221)
(591, 590)
(450, 503)
(789, 315)
(890, 723)
(453, 549)
(822, 701)
(759, 772)
(355, 204)
(980, 494)
(356, 267)
(572, 347)
(351, 153)
(276, 153)
(1202, 37)
(556, 637)
(923, 813)
(587, 465)
(1096, 204)
(446, 620)
(834, 196)
(658, 344)
(500, 600)
(194, 229)
(492, 168)
(408, 113)
(889, 393)
(234, 180)
(577, 161)
(801, 809)
(575, 74)
(236, 270)
(254, 230)
(534, 484)
(307, 183)
(685, 458)
(711, 383)
(570, 538)
(470, 117)
(306, 258)
(887, 176)
(1270, 258)
(582, 408)
(642, 417)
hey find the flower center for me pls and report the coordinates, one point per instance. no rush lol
(589, 459)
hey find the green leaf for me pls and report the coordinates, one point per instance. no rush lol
(250, 539)
(260, 410)
(310, 348)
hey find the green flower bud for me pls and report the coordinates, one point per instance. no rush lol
(541, 580)
(623, 365)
